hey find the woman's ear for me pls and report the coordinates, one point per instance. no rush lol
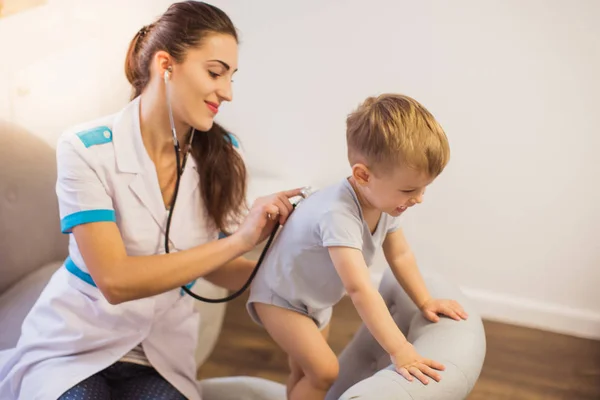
(163, 62)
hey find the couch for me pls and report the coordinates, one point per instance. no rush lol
(32, 248)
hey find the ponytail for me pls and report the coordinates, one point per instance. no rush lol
(222, 176)
(137, 77)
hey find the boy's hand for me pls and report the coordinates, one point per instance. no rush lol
(409, 363)
(432, 307)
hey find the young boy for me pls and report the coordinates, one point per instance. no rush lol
(396, 149)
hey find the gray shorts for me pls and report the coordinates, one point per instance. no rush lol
(260, 292)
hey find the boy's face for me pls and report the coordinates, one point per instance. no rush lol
(394, 191)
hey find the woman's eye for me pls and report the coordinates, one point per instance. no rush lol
(213, 75)
(407, 191)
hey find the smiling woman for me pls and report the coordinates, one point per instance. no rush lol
(201, 61)
(116, 324)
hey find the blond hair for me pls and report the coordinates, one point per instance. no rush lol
(393, 129)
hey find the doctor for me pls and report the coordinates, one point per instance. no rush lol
(112, 322)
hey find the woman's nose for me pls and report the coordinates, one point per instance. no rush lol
(226, 92)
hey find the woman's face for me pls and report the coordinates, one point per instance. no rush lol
(203, 80)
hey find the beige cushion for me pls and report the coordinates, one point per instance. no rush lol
(30, 228)
(16, 302)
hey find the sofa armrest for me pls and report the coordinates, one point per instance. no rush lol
(365, 369)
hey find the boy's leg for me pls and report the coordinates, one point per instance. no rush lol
(325, 332)
(296, 371)
(300, 338)
(295, 375)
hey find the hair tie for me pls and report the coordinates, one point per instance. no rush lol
(144, 30)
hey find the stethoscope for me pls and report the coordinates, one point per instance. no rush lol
(180, 170)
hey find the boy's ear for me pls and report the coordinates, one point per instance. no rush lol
(361, 174)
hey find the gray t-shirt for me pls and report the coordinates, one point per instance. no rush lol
(298, 266)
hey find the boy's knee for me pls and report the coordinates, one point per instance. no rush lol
(325, 374)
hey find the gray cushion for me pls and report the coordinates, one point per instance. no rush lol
(365, 370)
(365, 373)
(241, 388)
(16, 302)
(30, 228)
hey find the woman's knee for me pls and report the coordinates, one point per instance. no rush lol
(94, 387)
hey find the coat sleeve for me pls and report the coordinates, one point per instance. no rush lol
(82, 195)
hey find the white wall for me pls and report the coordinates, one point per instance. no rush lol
(514, 218)
(62, 63)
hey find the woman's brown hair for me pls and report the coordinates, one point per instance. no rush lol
(222, 170)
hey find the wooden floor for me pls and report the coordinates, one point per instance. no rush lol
(521, 363)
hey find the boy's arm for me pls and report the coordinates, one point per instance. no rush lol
(350, 266)
(404, 267)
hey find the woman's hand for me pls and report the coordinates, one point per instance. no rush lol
(264, 214)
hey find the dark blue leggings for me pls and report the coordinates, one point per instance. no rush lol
(124, 381)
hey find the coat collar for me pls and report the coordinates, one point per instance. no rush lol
(127, 138)
(132, 158)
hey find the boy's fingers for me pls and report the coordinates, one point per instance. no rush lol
(430, 372)
(419, 375)
(404, 372)
(434, 364)
(430, 315)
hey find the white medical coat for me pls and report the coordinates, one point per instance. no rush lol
(72, 332)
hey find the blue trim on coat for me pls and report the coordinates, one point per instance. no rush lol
(189, 286)
(85, 217)
(87, 278)
(94, 136)
(75, 270)
(233, 141)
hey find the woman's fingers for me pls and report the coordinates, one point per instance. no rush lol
(288, 208)
(278, 206)
(286, 203)
(276, 209)
(283, 210)
(271, 210)
(293, 192)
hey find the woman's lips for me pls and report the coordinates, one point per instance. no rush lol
(212, 107)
